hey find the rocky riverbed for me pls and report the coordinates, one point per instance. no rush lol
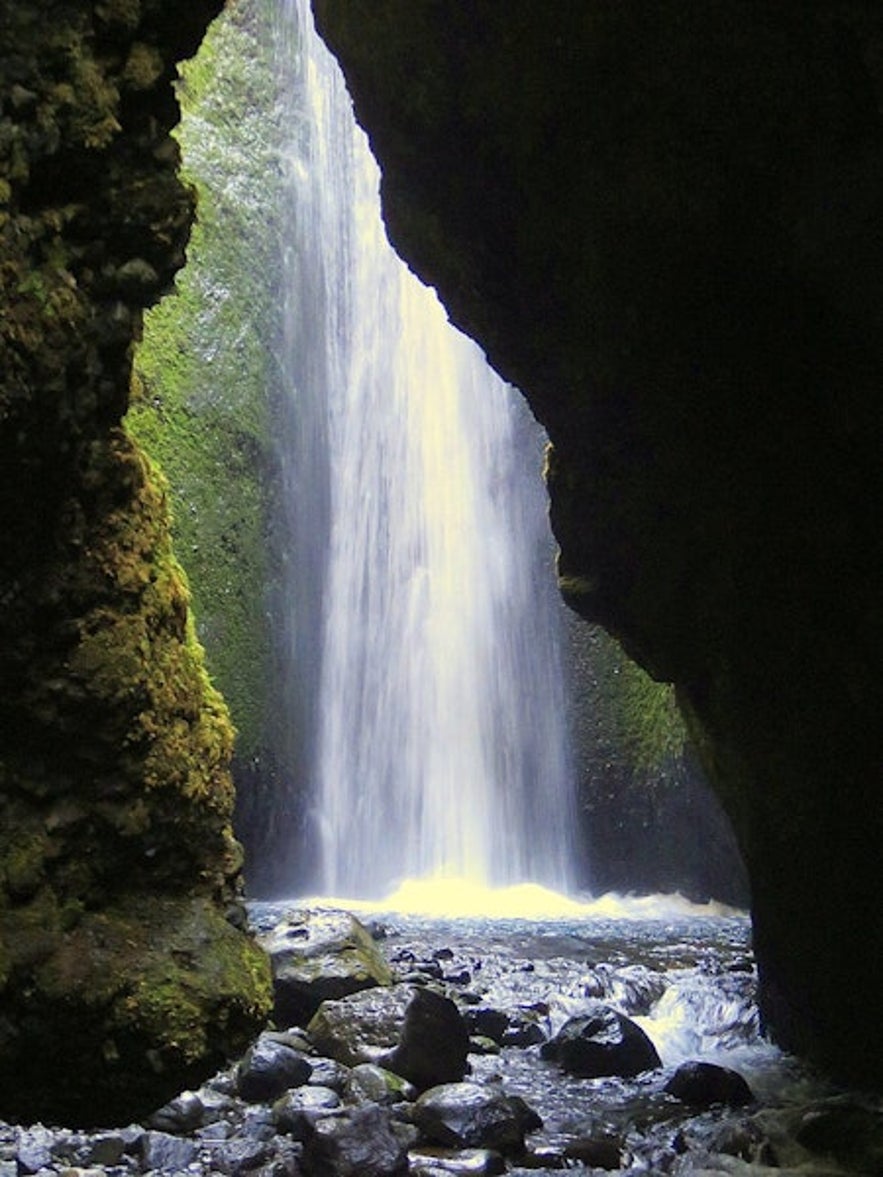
(406, 1046)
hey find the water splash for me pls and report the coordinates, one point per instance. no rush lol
(440, 747)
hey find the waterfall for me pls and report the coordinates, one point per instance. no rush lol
(425, 620)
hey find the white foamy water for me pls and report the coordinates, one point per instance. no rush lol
(439, 744)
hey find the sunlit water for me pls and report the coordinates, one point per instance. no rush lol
(439, 713)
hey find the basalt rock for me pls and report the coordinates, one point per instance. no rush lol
(661, 223)
(601, 1042)
(702, 1084)
(119, 965)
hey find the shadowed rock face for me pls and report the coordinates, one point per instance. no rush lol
(118, 868)
(664, 227)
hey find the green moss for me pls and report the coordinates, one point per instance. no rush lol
(641, 716)
(23, 862)
(162, 985)
(204, 373)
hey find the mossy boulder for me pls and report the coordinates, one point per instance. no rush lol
(123, 1004)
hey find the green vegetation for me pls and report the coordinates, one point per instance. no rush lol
(202, 391)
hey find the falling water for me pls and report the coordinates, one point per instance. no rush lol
(429, 616)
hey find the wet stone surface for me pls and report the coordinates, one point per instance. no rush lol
(687, 984)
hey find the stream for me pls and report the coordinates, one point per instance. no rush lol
(684, 974)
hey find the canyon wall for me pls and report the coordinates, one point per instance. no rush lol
(122, 957)
(663, 226)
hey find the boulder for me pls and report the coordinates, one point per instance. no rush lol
(415, 1032)
(602, 1042)
(468, 1115)
(359, 1143)
(319, 956)
(433, 1044)
(360, 1028)
(702, 1084)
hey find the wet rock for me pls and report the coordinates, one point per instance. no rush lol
(257, 1124)
(849, 1132)
(319, 956)
(235, 1157)
(357, 1144)
(487, 1022)
(160, 1150)
(602, 1042)
(327, 1072)
(527, 1027)
(268, 1068)
(297, 1111)
(702, 1084)
(480, 1044)
(369, 1083)
(360, 1028)
(35, 1149)
(467, 1115)
(179, 1115)
(599, 1152)
(523, 1026)
(470, 1162)
(637, 988)
(105, 1148)
(434, 1042)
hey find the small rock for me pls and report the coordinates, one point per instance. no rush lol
(240, 1156)
(137, 281)
(488, 1022)
(35, 1149)
(268, 1068)
(106, 1148)
(257, 1124)
(296, 1112)
(600, 1152)
(702, 1084)
(179, 1115)
(470, 1162)
(160, 1150)
(327, 1072)
(368, 1083)
(479, 1044)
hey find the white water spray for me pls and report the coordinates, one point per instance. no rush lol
(440, 746)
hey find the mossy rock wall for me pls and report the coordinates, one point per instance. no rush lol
(206, 371)
(115, 747)
(661, 222)
(649, 819)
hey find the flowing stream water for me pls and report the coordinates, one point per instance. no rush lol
(425, 607)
